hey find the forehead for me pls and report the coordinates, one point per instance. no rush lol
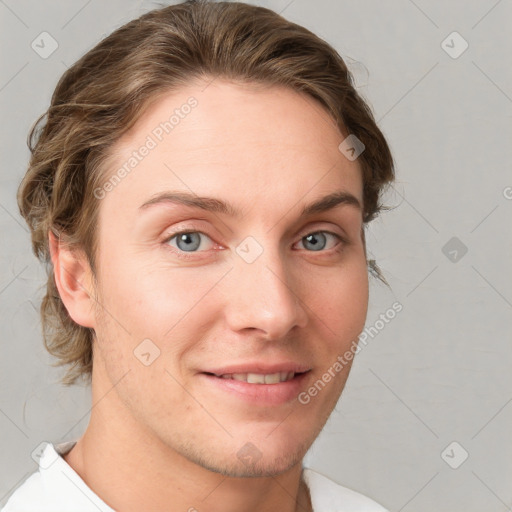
(250, 144)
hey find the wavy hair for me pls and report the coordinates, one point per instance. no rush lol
(106, 91)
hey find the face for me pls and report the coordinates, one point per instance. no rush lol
(256, 287)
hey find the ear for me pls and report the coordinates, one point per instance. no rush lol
(73, 278)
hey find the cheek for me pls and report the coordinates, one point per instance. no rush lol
(340, 303)
(149, 298)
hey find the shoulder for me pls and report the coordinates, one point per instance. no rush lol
(27, 495)
(55, 487)
(329, 496)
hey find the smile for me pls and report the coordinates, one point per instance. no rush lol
(260, 378)
(265, 389)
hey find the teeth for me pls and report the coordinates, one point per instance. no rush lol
(256, 378)
(272, 378)
(260, 378)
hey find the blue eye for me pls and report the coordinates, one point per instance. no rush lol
(187, 241)
(317, 240)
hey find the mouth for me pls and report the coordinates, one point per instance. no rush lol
(258, 378)
(259, 388)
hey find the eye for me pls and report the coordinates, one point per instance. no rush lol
(186, 241)
(317, 241)
(189, 242)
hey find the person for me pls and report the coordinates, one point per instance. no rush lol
(199, 190)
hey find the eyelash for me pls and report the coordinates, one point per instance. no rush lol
(193, 255)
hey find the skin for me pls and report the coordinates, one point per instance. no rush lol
(161, 428)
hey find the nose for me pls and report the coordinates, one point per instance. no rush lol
(264, 295)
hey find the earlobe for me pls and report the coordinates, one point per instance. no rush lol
(73, 278)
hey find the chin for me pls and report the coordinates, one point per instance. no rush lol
(266, 466)
(251, 460)
(271, 457)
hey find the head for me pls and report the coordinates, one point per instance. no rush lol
(231, 102)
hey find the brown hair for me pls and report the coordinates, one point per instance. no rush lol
(106, 91)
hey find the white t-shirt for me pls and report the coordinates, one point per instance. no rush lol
(56, 487)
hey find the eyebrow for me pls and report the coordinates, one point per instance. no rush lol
(214, 205)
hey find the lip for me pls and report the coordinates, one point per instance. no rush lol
(259, 367)
(258, 394)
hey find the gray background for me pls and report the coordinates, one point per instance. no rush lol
(437, 373)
